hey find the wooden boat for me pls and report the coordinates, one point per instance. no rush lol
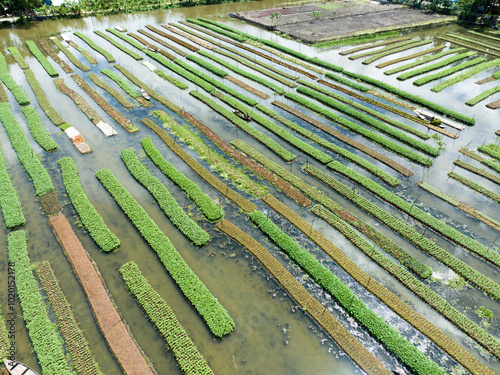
(429, 117)
(152, 49)
(17, 368)
(145, 95)
(120, 29)
(242, 115)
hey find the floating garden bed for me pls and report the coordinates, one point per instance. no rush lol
(10, 204)
(347, 140)
(461, 206)
(42, 99)
(18, 57)
(173, 38)
(354, 306)
(393, 46)
(216, 317)
(118, 117)
(379, 55)
(165, 321)
(126, 87)
(9, 82)
(488, 162)
(179, 84)
(162, 42)
(84, 52)
(118, 45)
(357, 352)
(412, 56)
(69, 55)
(95, 47)
(29, 160)
(204, 203)
(41, 58)
(468, 45)
(125, 38)
(473, 276)
(37, 129)
(78, 347)
(243, 125)
(465, 75)
(42, 332)
(374, 137)
(485, 94)
(475, 41)
(110, 90)
(166, 201)
(479, 171)
(384, 42)
(476, 187)
(54, 56)
(491, 149)
(447, 72)
(190, 37)
(347, 82)
(89, 216)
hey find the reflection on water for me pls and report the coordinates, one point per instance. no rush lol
(271, 335)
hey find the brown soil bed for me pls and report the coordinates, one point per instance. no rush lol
(110, 321)
(163, 43)
(54, 56)
(114, 93)
(118, 117)
(273, 179)
(303, 23)
(3, 95)
(344, 339)
(494, 105)
(50, 204)
(187, 45)
(85, 53)
(359, 146)
(249, 88)
(189, 37)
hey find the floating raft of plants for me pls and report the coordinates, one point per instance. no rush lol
(83, 51)
(357, 352)
(110, 90)
(424, 60)
(412, 56)
(70, 55)
(475, 186)
(54, 56)
(478, 171)
(465, 208)
(488, 162)
(10, 204)
(118, 45)
(9, 82)
(82, 358)
(92, 115)
(485, 94)
(111, 323)
(41, 58)
(43, 101)
(126, 87)
(95, 47)
(37, 129)
(18, 57)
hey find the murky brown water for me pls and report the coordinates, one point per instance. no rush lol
(270, 337)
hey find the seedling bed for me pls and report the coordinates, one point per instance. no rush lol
(69, 55)
(41, 58)
(110, 90)
(54, 57)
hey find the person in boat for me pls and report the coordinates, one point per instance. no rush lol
(244, 116)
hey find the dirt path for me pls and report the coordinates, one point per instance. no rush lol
(129, 355)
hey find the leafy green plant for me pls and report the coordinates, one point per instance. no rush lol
(347, 82)
(483, 95)
(30, 161)
(243, 125)
(374, 137)
(10, 204)
(89, 216)
(125, 38)
(414, 98)
(95, 47)
(465, 75)
(9, 82)
(37, 129)
(179, 84)
(18, 57)
(440, 64)
(379, 55)
(447, 72)
(167, 202)
(42, 332)
(476, 187)
(206, 205)
(41, 58)
(491, 150)
(118, 45)
(215, 315)
(406, 352)
(43, 101)
(163, 318)
(212, 68)
(423, 60)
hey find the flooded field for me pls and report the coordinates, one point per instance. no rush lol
(273, 335)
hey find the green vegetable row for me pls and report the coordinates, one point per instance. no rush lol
(42, 332)
(374, 137)
(480, 189)
(474, 277)
(217, 30)
(89, 216)
(383, 49)
(114, 93)
(163, 318)
(479, 171)
(447, 72)
(210, 67)
(467, 74)
(355, 85)
(215, 315)
(118, 45)
(440, 64)
(76, 343)
(491, 150)
(41, 58)
(18, 57)
(12, 211)
(392, 181)
(205, 204)
(408, 46)
(125, 38)
(95, 47)
(280, 132)
(385, 243)
(179, 84)
(122, 83)
(243, 125)
(70, 55)
(37, 129)
(412, 283)
(414, 98)
(352, 103)
(243, 72)
(423, 60)
(483, 95)
(405, 351)
(42, 99)
(9, 82)
(166, 201)
(30, 161)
